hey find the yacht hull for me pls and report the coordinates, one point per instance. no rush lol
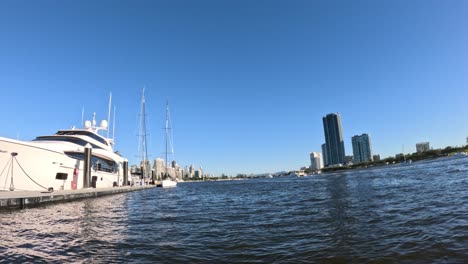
(29, 166)
(168, 183)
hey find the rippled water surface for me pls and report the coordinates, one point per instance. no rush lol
(413, 213)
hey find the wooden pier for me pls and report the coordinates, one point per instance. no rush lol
(26, 199)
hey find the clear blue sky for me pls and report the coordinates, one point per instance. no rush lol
(248, 81)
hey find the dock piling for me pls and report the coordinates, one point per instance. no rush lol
(87, 166)
(125, 173)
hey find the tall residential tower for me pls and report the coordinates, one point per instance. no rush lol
(315, 161)
(334, 144)
(362, 149)
(324, 153)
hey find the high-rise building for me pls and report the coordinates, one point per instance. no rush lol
(334, 143)
(158, 168)
(191, 171)
(201, 172)
(145, 165)
(185, 172)
(422, 147)
(362, 149)
(324, 153)
(376, 157)
(315, 161)
(171, 172)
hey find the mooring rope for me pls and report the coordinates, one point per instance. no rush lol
(6, 177)
(28, 175)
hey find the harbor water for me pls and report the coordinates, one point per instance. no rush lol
(415, 213)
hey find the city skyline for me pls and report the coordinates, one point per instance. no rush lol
(248, 81)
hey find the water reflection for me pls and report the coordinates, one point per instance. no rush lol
(341, 221)
(72, 231)
(392, 214)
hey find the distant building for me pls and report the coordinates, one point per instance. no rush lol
(199, 173)
(349, 159)
(146, 169)
(376, 157)
(177, 170)
(400, 156)
(466, 140)
(325, 157)
(135, 170)
(422, 147)
(191, 171)
(362, 149)
(158, 168)
(334, 144)
(171, 172)
(315, 161)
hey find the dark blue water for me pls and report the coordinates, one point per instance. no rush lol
(415, 213)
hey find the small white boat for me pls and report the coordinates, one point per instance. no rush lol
(168, 183)
(299, 173)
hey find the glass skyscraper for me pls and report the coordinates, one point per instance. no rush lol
(334, 144)
(324, 154)
(362, 149)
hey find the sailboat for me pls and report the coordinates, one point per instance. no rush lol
(167, 181)
(145, 168)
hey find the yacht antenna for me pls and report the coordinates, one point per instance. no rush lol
(82, 116)
(94, 121)
(113, 126)
(109, 113)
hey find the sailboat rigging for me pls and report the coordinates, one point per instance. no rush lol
(168, 181)
(143, 141)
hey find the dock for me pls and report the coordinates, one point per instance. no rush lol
(27, 199)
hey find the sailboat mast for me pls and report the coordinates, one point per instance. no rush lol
(144, 153)
(167, 127)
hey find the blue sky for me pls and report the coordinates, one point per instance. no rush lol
(248, 81)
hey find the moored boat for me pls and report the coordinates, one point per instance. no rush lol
(56, 162)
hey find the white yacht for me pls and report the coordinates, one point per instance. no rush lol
(298, 173)
(56, 162)
(168, 183)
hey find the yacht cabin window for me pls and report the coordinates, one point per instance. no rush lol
(97, 163)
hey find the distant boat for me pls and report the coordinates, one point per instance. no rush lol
(298, 173)
(314, 173)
